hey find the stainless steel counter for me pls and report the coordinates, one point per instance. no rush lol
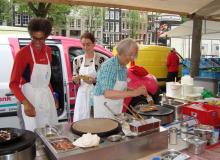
(128, 148)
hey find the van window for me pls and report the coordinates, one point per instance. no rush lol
(74, 52)
(6, 62)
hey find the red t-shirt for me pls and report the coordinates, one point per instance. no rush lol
(172, 62)
(23, 66)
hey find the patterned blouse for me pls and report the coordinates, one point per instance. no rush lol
(78, 61)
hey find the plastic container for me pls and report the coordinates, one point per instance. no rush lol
(196, 145)
(187, 89)
(156, 158)
(173, 89)
(187, 79)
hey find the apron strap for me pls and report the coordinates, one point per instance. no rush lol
(84, 59)
(32, 54)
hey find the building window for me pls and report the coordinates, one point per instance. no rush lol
(17, 19)
(72, 23)
(63, 32)
(79, 23)
(86, 22)
(117, 37)
(123, 25)
(127, 26)
(98, 34)
(106, 38)
(112, 38)
(144, 26)
(25, 20)
(116, 26)
(75, 33)
(106, 26)
(123, 14)
(140, 26)
(117, 15)
(111, 28)
(107, 15)
(111, 14)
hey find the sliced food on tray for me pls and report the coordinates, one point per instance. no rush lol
(61, 144)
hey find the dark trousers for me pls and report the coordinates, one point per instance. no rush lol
(171, 76)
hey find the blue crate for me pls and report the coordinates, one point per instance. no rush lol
(209, 74)
(217, 75)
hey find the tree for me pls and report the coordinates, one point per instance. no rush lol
(55, 12)
(4, 12)
(133, 20)
(94, 17)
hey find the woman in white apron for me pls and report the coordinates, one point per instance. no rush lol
(38, 105)
(37, 92)
(83, 104)
(87, 67)
(111, 85)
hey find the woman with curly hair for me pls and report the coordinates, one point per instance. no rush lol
(30, 78)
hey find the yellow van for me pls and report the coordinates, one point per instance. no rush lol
(153, 58)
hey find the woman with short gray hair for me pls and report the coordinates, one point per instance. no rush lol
(111, 83)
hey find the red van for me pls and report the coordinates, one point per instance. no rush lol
(64, 50)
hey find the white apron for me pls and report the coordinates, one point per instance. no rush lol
(38, 93)
(82, 105)
(100, 111)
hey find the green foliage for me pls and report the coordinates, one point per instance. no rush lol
(133, 20)
(58, 14)
(184, 19)
(5, 7)
(55, 12)
(93, 15)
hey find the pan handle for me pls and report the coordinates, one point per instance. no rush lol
(110, 110)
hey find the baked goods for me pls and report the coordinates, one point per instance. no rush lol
(95, 125)
(148, 108)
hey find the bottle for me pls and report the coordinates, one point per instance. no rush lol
(184, 130)
(173, 135)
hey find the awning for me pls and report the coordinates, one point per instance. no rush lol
(208, 9)
(210, 30)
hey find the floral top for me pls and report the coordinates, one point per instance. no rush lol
(78, 61)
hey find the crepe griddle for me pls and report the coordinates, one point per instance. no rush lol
(100, 126)
(162, 111)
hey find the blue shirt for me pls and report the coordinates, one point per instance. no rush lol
(108, 74)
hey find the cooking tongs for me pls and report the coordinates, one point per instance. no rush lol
(134, 113)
